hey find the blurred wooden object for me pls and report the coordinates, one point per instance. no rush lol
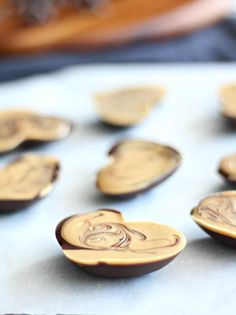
(118, 22)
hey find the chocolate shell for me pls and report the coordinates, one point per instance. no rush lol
(18, 127)
(216, 215)
(136, 166)
(26, 180)
(102, 243)
(126, 107)
(228, 100)
(227, 168)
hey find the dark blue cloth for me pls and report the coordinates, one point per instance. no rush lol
(217, 43)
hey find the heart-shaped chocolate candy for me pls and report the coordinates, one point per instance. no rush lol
(227, 168)
(136, 166)
(26, 180)
(128, 106)
(216, 215)
(17, 127)
(102, 243)
(228, 100)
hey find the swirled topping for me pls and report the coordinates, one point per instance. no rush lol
(117, 236)
(217, 213)
(228, 98)
(227, 168)
(103, 234)
(28, 178)
(109, 236)
(127, 106)
(136, 165)
(17, 127)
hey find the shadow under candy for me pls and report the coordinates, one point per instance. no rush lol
(209, 250)
(99, 127)
(213, 126)
(224, 186)
(57, 269)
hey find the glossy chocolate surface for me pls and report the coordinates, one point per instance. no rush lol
(18, 127)
(26, 180)
(216, 215)
(103, 243)
(129, 106)
(136, 166)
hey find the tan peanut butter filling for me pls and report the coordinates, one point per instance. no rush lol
(128, 106)
(228, 167)
(135, 165)
(217, 213)
(103, 236)
(228, 98)
(17, 127)
(27, 178)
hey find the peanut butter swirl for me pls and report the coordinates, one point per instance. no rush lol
(28, 178)
(135, 166)
(17, 127)
(117, 236)
(103, 235)
(220, 210)
(109, 235)
(217, 213)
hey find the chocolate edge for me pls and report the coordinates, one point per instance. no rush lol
(66, 245)
(126, 271)
(228, 240)
(34, 142)
(16, 205)
(225, 175)
(159, 180)
(142, 190)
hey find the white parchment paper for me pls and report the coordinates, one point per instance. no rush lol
(36, 278)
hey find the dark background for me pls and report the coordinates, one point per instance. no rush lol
(217, 43)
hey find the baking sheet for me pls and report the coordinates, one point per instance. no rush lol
(36, 278)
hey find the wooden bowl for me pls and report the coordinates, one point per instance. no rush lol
(116, 23)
